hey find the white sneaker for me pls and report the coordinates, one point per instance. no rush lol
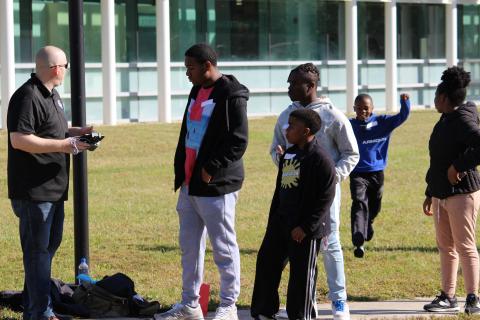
(226, 313)
(340, 310)
(180, 312)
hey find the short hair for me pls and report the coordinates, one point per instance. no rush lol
(202, 53)
(309, 118)
(454, 84)
(309, 70)
(362, 96)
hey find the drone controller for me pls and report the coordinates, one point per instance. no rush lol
(92, 139)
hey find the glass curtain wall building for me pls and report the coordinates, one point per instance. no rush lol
(260, 41)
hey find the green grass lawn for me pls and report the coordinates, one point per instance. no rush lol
(134, 225)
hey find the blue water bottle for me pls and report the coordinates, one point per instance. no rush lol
(82, 269)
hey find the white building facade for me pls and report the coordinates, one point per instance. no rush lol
(134, 49)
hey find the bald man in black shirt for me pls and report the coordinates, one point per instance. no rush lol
(39, 144)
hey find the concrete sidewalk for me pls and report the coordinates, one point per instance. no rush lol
(398, 309)
(394, 309)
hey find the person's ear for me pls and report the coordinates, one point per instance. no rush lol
(306, 132)
(208, 66)
(445, 99)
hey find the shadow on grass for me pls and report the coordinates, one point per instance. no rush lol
(404, 248)
(362, 298)
(165, 248)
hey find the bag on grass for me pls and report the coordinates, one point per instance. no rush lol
(114, 296)
(100, 302)
(11, 300)
(62, 301)
(144, 308)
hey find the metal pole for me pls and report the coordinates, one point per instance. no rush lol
(77, 77)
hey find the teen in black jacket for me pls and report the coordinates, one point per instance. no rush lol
(209, 173)
(223, 145)
(316, 190)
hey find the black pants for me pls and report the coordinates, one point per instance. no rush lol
(366, 189)
(276, 250)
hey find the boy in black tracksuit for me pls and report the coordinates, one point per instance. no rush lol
(297, 222)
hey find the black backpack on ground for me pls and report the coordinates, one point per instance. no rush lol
(99, 302)
(12, 300)
(63, 302)
(113, 296)
(60, 293)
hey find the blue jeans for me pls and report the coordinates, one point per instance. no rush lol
(333, 254)
(41, 229)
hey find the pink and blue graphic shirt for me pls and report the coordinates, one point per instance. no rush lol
(198, 117)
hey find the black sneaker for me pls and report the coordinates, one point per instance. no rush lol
(262, 317)
(472, 305)
(442, 303)
(359, 252)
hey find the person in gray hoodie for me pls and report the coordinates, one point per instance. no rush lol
(337, 137)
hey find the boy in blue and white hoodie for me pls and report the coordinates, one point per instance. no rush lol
(366, 180)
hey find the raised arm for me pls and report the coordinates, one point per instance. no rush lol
(394, 121)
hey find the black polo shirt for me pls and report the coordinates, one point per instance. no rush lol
(33, 109)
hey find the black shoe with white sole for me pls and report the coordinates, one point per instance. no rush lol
(442, 303)
(359, 252)
(472, 304)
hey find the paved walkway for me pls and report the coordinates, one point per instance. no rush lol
(398, 309)
(395, 309)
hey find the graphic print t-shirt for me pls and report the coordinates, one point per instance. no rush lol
(289, 193)
(198, 117)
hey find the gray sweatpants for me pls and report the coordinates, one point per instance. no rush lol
(216, 216)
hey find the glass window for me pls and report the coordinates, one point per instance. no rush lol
(371, 30)
(50, 25)
(183, 27)
(260, 30)
(147, 33)
(468, 31)
(306, 30)
(233, 28)
(92, 29)
(135, 31)
(45, 22)
(421, 38)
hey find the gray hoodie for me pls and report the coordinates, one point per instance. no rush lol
(335, 135)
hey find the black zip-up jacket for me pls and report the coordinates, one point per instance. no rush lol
(455, 139)
(317, 191)
(223, 144)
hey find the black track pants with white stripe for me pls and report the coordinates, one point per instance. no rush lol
(276, 251)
